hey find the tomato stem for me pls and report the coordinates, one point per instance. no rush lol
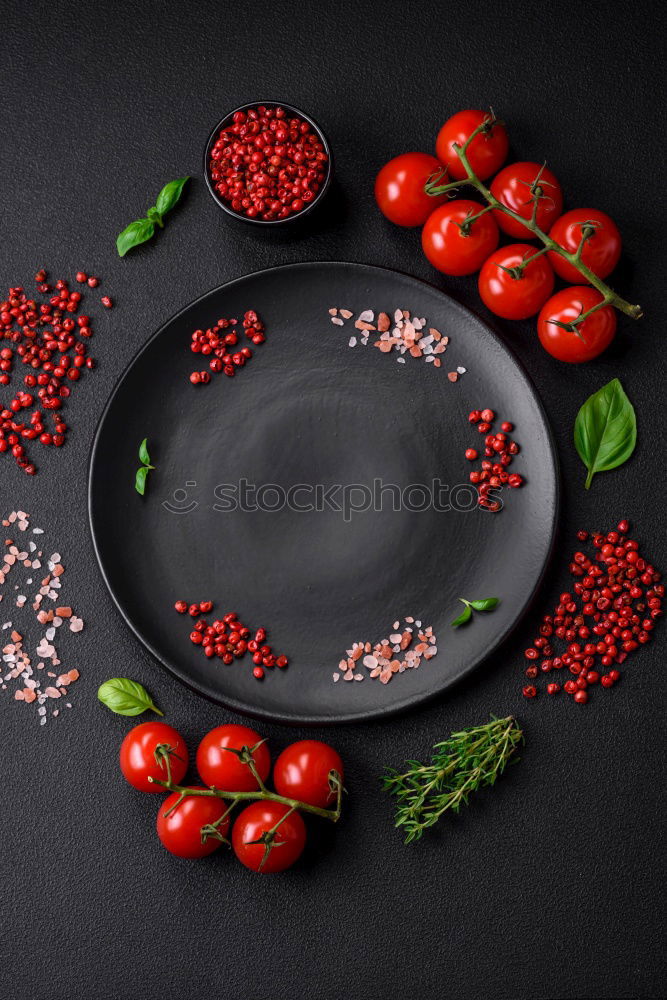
(609, 296)
(466, 225)
(233, 798)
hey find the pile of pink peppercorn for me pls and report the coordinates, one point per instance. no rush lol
(52, 344)
(219, 344)
(611, 612)
(228, 639)
(499, 451)
(267, 164)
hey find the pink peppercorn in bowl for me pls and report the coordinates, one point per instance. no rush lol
(267, 163)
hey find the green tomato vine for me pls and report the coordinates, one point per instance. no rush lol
(435, 186)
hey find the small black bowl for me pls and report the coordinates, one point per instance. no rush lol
(226, 207)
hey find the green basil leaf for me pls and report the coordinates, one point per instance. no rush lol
(605, 431)
(153, 214)
(465, 616)
(169, 195)
(140, 479)
(143, 452)
(485, 604)
(137, 232)
(126, 697)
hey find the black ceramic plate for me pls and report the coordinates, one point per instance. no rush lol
(310, 410)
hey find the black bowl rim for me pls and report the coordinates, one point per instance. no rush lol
(268, 222)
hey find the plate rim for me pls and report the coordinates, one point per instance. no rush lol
(364, 715)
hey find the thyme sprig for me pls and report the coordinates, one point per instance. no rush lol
(463, 764)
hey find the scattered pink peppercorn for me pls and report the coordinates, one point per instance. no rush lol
(217, 343)
(499, 452)
(609, 612)
(530, 691)
(228, 639)
(106, 302)
(44, 338)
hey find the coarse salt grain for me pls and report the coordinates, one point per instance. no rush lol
(31, 690)
(380, 661)
(407, 336)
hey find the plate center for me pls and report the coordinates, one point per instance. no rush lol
(321, 486)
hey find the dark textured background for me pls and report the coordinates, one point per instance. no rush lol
(549, 885)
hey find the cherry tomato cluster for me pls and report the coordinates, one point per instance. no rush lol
(234, 763)
(461, 236)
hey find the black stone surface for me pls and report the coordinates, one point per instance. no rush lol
(549, 885)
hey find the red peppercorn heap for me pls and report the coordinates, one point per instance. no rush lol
(267, 165)
(615, 602)
(52, 344)
(220, 344)
(228, 639)
(499, 452)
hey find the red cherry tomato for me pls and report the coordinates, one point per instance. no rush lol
(516, 187)
(137, 755)
(222, 768)
(399, 188)
(449, 247)
(601, 251)
(486, 153)
(302, 772)
(594, 334)
(181, 830)
(254, 822)
(515, 294)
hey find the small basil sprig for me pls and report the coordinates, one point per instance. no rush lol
(605, 431)
(144, 469)
(142, 230)
(483, 604)
(126, 697)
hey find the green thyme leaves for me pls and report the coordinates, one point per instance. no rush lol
(464, 763)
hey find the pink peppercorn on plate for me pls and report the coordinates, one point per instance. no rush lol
(313, 508)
